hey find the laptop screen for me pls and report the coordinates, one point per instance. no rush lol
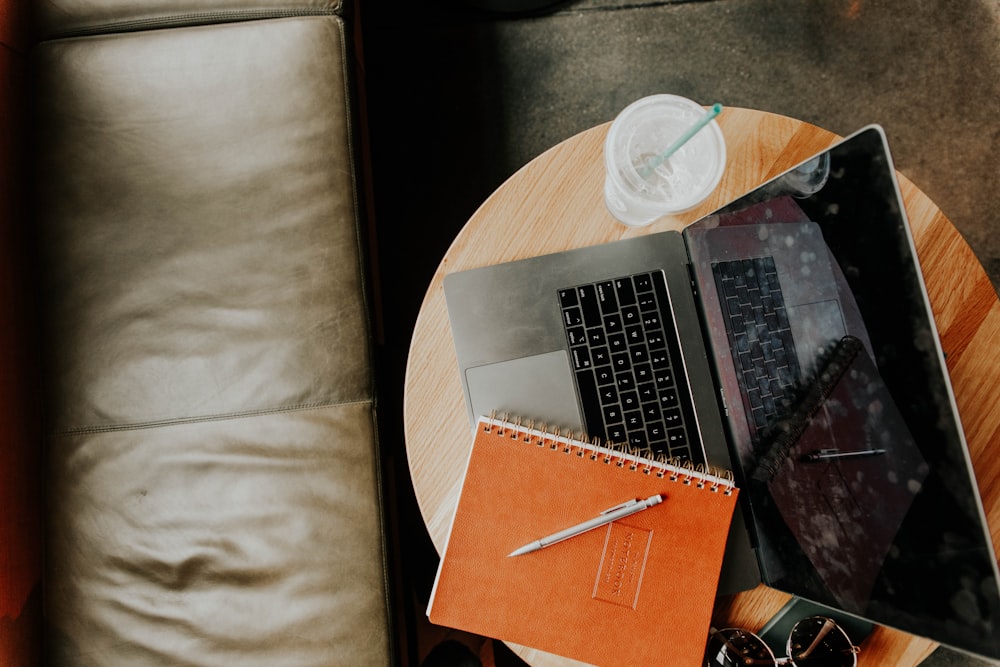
(860, 487)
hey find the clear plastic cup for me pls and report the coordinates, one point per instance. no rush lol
(637, 194)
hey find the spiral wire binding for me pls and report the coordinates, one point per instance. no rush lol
(612, 453)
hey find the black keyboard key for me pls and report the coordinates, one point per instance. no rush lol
(572, 317)
(616, 433)
(656, 340)
(613, 414)
(729, 288)
(655, 432)
(591, 405)
(659, 359)
(607, 297)
(624, 381)
(647, 392)
(635, 334)
(770, 316)
(643, 283)
(643, 375)
(663, 378)
(621, 362)
(630, 400)
(631, 316)
(669, 399)
(617, 343)
(638, 354)
(625, 352)
(589, 306)
(576, 336)
(646, 302)
(672, 417)
(626, 293)
(677, 441)
(739, 274)
(725, 270)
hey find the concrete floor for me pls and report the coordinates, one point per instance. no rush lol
(460, 98)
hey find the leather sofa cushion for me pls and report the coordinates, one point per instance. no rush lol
(199, 224)
(244, 542)
(70, 17)
(212, 476)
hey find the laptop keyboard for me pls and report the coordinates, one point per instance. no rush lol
(628, 366)
(759, 335)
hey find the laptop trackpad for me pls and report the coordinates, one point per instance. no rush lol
(816, 327)
(539, 387)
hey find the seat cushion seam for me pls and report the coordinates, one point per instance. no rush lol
(135, 426)
(189, 20)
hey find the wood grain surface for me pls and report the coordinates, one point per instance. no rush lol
(555, 203)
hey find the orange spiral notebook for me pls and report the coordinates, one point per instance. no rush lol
(636, 591)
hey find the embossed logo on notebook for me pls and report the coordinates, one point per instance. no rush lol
(623, 564)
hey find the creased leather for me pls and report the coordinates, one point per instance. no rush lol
(62, 17)
(197, 214)
(235, 542)
(212, 487)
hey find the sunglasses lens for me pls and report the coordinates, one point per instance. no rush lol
(736, 648)
(819, 642)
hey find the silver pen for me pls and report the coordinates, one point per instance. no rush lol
(833, 453)
(604, 518)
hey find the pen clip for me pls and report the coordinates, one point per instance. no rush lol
(627, 503)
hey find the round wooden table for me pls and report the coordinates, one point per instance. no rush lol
(555, 203)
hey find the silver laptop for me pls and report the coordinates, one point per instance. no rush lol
(787, 337)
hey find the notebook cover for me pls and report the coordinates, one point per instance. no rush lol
(637, 591)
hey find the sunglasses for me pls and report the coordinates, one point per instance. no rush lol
(816, 641)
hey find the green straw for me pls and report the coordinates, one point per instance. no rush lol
(681, 140)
